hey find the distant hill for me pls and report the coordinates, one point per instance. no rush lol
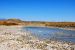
(36, 23)
(10, 21)
(13, 19)
(2, 19)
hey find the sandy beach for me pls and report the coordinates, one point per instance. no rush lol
(13, 38)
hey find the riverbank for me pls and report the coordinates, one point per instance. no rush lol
(13, 38)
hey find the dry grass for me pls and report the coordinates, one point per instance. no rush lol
(36, 23)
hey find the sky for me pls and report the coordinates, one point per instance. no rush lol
(38, 10)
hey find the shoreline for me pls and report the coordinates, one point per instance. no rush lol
(66, 28)
(13, 38)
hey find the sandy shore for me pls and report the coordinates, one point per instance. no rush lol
(13, 38)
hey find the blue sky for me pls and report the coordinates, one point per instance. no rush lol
(38, 10)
